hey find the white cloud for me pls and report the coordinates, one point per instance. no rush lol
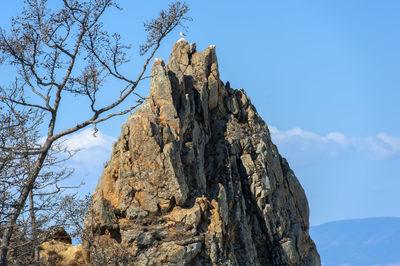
(338, 137)
(85, 140)
(92, 151)
(393, 142)
(299, 144)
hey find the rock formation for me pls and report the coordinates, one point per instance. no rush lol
(195, 179)
(55, 252)
(60, 251)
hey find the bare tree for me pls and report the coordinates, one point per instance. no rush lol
(20, 128)
(55, 52)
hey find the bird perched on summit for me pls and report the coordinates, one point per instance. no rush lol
(182, 34)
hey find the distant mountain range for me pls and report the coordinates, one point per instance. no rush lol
(370, 241)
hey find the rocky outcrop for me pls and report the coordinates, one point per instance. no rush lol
(60, 251)
(195, 179)
(55, 252)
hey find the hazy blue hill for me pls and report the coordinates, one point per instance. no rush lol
(371, 241)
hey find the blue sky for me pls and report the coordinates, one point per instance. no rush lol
(323, 74)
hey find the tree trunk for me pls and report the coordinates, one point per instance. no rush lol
(35, 242)
(12, 219)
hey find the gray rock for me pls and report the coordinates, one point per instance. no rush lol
(144, 240)
(134, 212)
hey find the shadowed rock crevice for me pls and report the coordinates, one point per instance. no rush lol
(194, 178)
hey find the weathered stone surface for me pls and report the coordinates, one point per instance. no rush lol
(57, 252)
(195, 179)
(60, 251)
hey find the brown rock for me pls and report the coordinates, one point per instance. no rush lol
(60, 234)
(57, 252)
(195, 179)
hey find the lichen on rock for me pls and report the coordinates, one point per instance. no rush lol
(195, 179)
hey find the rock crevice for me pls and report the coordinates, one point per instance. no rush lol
(194, 178)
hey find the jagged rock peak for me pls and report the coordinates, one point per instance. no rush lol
(195, 179)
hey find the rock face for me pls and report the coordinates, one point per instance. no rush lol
(195, 179)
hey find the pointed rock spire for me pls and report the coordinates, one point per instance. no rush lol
(194, 178)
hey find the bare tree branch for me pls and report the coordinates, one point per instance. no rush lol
(54, 53)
